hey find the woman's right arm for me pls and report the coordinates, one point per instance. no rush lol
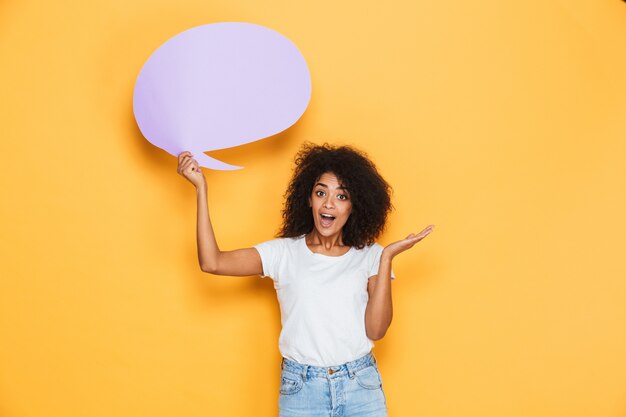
(239, 262)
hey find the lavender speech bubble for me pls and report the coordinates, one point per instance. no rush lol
(220, 85)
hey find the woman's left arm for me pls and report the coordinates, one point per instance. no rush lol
(379, 310)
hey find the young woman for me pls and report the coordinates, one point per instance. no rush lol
(333, 282)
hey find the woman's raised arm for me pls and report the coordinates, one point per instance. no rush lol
(239, 262)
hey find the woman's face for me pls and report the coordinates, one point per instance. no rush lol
(330, 203)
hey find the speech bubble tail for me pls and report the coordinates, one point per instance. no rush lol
(212, 163)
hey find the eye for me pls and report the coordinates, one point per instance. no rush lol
(320, 193)
(342, 197)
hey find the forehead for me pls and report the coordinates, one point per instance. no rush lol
(329, 179)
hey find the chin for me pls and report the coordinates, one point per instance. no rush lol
(327, 232)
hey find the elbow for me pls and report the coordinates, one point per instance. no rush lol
(378, 332)
(209, 269)
(210, 266)
(376, 336)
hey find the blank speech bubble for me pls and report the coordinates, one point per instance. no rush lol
(220, 85)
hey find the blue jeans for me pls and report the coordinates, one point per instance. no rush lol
(349, 390)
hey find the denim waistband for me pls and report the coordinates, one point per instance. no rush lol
(311, 371)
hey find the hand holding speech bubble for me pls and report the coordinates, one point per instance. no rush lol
(220, 85)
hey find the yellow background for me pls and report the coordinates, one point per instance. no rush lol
(500, 122)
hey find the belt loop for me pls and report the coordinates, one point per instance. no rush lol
(351, 368)
(350, 371)
(282, 363)
(304, 372)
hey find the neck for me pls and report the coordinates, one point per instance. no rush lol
(327, 242)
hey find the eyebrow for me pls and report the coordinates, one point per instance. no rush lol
(341, 187)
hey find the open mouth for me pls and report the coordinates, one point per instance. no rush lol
(326, 220)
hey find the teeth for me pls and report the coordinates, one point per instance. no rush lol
(328, 216)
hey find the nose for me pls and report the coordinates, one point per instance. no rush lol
(327, 204)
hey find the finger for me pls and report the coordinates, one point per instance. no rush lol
(193, 166)
(427, 230)
(187, 160)
(189, 165)
(183, 154)
(182, 164)
(186, 166)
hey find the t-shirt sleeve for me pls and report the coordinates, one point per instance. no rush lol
(376, 252)
(270, 252)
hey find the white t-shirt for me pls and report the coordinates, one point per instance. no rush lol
(322, 300)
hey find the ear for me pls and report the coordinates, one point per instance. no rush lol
(310, 202)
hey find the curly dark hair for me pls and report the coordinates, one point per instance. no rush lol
(369, 192)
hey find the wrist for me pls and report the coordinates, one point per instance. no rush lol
(201, 188)
(386, 256)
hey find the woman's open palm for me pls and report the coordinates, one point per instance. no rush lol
(401, 245)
